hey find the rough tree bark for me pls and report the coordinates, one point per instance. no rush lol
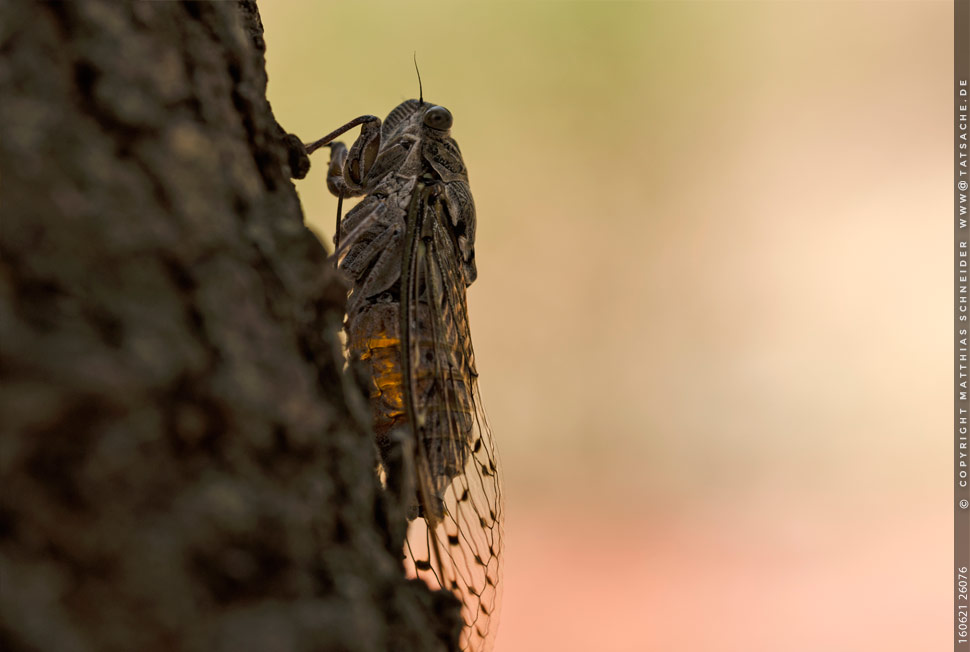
(184, 465)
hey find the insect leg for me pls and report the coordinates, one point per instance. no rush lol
(335, 168)
(348, 170)
(335, 174)
(397, 457)
(317, 144)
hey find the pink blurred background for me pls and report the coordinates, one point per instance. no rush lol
(712, 311)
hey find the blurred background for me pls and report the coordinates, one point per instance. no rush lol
(711, 318)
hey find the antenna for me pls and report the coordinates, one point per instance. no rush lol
(420, 88)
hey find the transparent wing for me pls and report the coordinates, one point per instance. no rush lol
(456, 543)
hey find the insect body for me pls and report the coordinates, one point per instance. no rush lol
(408, 247)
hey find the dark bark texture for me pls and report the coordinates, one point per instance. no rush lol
(184, 464)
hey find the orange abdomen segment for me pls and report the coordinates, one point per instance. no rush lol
(382, 352)
(442, 388)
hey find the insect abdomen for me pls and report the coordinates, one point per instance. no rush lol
(442, 393)
(373, 337)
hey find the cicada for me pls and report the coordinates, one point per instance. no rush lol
(408, 248)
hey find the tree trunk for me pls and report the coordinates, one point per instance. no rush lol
(184, 464)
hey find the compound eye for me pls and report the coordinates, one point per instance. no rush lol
(438, 117)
